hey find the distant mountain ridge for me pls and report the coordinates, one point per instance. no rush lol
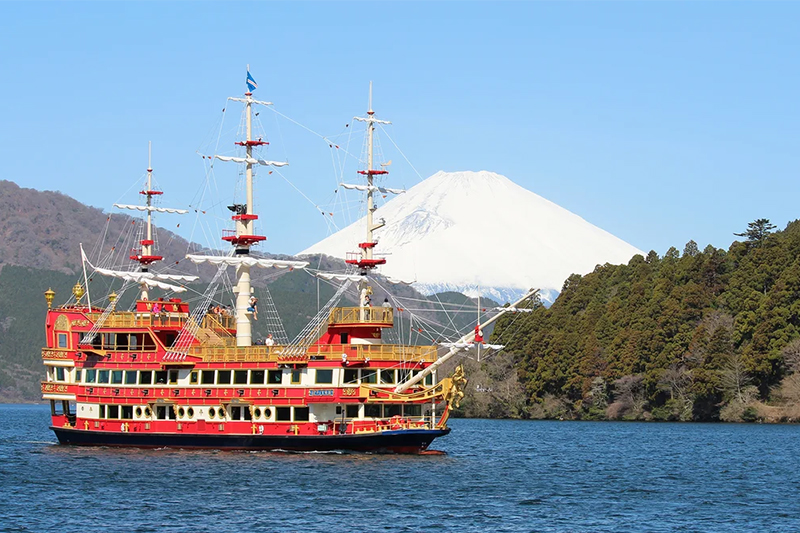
(481, 233)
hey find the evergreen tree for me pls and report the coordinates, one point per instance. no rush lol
(757, 231)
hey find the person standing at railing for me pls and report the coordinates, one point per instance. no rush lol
(270, 341)
(157, 309)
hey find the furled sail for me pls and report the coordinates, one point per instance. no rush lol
(249, 261)
(339, 277)
(152, 208)
(372, 188)
(252, 161)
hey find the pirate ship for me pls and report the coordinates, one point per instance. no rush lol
(167, 373)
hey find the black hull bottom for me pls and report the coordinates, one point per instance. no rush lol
(400, 441)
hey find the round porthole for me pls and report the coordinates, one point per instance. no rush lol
(212, 412)
(190, 412)
(138, 412)
(267, 412)
(256, 413)
(222, 412)
(147, 412)
(180, 412)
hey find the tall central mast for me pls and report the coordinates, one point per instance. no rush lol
(245, 218)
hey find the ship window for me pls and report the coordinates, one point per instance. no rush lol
(59, 373)
(190, 412)
(130, 377)
(240, 377)
(351, 411)
(109, 341)
(372, 410)
(101, 411)
(91, 375)
(257, 412)
(62, 340)
(236, 412)
(145, 377)
(127, 412)
(161, 412)
(147, 343)
(169, 339)
(429, 379)
(121, 341)
(224, 377)
(403, 374)
(180, 412)
(324, 376)
(257, 377)
(97, 342)
(301, 414)
(369, 376)
(222, 412)
(133, 341)
(161, 377)
(78, 376)
(212, 413)
(267, 412)
(173, 377)
(392, 410)
(283, 414)
(275, 377)
(207, 377)
(113, 411)
(102, 376)
(193, 377)
(147, 412)
(343, 338)
(387, 376)
(297, 377)
(116, 377)
(412, 410)
(350, 375)
(171, 412)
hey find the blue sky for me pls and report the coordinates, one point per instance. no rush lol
(659, 122)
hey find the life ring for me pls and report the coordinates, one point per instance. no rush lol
(395, 420)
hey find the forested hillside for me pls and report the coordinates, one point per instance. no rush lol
(688, 336)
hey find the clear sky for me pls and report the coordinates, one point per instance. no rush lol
(659, 122)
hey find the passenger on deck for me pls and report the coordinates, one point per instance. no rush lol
(270, 341)
(386, 302)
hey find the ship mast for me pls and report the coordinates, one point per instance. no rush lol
(245, 218)
(367, 261)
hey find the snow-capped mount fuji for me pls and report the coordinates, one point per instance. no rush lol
(481, 233)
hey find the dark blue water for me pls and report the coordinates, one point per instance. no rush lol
(497, 476)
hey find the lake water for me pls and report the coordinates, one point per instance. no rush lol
(497, 476)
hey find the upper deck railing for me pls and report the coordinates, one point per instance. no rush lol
(131, 319)
(361, 315)
(324, 352)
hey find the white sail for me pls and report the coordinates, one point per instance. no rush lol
(252, 161)
(140, 277)
(249, 261)
(339, 277)
(152, 208)
(372, 188)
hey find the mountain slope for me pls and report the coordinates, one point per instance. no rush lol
(479, 232)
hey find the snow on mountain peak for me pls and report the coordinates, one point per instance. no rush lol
(480, 233)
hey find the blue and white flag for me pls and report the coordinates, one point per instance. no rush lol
(251, 83)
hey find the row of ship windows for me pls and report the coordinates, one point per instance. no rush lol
(128, 342)
(243, 413)
(236, 377)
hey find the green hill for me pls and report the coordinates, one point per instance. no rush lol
(688, 336)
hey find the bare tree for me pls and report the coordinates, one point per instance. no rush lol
(734, 378)
(791, 356)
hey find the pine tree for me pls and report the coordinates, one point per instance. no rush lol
(757, 231)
